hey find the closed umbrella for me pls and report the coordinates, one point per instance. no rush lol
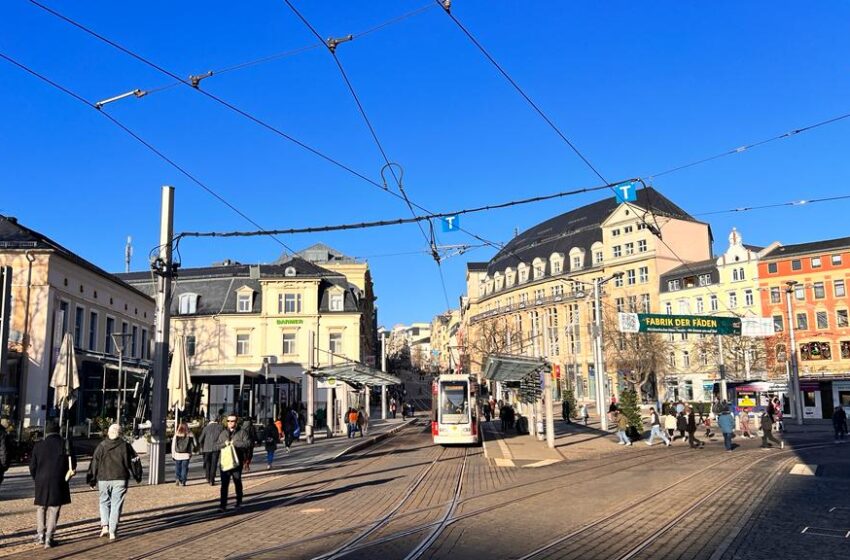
(65, 379)
(179, 381)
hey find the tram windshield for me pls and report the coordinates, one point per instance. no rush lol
(454, 404)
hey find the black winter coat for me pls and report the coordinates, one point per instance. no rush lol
(4, 450)
(241, 442)
(208, 441)
(692, 422)
(48, 466)
(111, 461)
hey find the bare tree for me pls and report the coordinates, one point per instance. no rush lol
(743, 356)
(641, 358)
(491, 337)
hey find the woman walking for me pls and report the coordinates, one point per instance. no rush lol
(670, 424)
(622, 426)
(290, 428)
(682, 424)
(183, 444)
(585, 415)
(744, 418)
(51, 466)
(272, 438)
(692, 428)
(251, 435)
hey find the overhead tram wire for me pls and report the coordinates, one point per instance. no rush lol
(790, 203)
(142, 141)
(246, 115)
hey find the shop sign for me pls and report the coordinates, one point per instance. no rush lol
(660, 323)
(290, 321)
(809, 386)
(746, 399)
(841, 385)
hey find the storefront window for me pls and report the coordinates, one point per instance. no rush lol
(809, 398)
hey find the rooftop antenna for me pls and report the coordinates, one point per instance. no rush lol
(128, 253)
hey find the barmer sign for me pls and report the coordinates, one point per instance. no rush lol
(657, 323)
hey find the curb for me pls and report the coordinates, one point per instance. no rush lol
(373, 439)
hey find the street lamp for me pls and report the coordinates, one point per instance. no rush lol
(600, 354)
(794, 382)
(118, 341)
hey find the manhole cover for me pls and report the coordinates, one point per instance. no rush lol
(822, 532)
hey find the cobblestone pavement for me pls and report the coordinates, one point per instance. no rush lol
(405, 498)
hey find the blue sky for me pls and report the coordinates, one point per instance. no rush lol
(639, 87)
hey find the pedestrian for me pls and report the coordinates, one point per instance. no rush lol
(622, 426)
(393, 407)
(251, 437)
(351, 422)
(692, 428)
(238, 439)
(363, 421)
(411, 411)
(493, 409)
(726, 422)
(4, 448)
(744, 419)
(486, 410)
(183, 444)
(682, 424)
(290, 427)
(111, 466)
(51, 467)
(208, 443)
(613, 409)
(503, 416)
(271, 439)
(839, 423)
(767, 431)
(680, 408)
(777, 415)
(655, 428)
(565, 411)
(584, 413)
(670, 423)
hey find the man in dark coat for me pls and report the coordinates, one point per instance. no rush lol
(208, 443)
(242, 444)
(4, 448)
(50, 464)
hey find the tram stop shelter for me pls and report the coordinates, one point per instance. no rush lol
(356, 375)
(505, 369)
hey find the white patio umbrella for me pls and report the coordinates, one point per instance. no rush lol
(179, 381)
(65, 379)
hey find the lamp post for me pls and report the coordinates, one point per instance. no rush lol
(598, 346)
(794, 382)
(118, 341)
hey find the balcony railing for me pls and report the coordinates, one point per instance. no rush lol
(537, 302)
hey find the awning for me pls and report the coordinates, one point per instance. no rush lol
(127, 369)
(512, 368)
(223, 376)
(357, 374)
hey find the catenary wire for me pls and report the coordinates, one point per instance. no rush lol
(790, 203)
(142, 141)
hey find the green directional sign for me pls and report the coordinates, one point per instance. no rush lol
(658, 323)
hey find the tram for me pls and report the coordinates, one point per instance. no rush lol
(454, 410)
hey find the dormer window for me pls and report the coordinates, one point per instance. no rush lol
(188, 304)
(243, 303)
(337, 301)
(539, 268)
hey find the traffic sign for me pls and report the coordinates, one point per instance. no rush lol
(451, 223)
(657, 323)
(626, 192)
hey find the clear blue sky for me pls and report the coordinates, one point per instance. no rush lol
(639, 87)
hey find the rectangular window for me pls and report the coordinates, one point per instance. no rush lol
(618, 282)
(841, 318)
(700, 306)
(556, 267)
(633, 304)
(672, 359)
(748, 298)
(617, 251)
(93, 331)
(523, 300)
(335, 343)
(774, 295)
(577, 262)
(673, 285)
(627, 229)
(838, 288)
(539, 295)
(800, 292)
(630, 248)
(644, 303)
(243, 303)
(820, 293)
(733, 299)
(643, 274)
(554, 335)
(686, 359)
(190, 344)
(777, 323)
(796, 264)
(713, 303)
(836, 259)
(243, 344)
(597, 257)
(109, 347)
(292, 303)
(621, 304)
(615, 232)
(337, 302)
(288, 344)
(845, 349)
(558, 290)
(705, 279)
(63, 316)
(79, 317)
(144, 352)
(772, 268)
(802, 321)
(134, 338)
(815, 262)
(642, 246)
(668, 308)
(630, 277)
(822, 319)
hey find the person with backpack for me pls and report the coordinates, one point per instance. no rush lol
(208, 442)
(726, 422)
(655, 428)
(112, 464)
(183, 444)
(52, 465)
(270, 439)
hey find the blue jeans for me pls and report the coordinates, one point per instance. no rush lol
(657, 431)
(112, 493)
(727, 441)
(622, 435)
(181, 470)
(270, 456)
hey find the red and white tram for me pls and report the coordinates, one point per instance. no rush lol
(454, 410)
